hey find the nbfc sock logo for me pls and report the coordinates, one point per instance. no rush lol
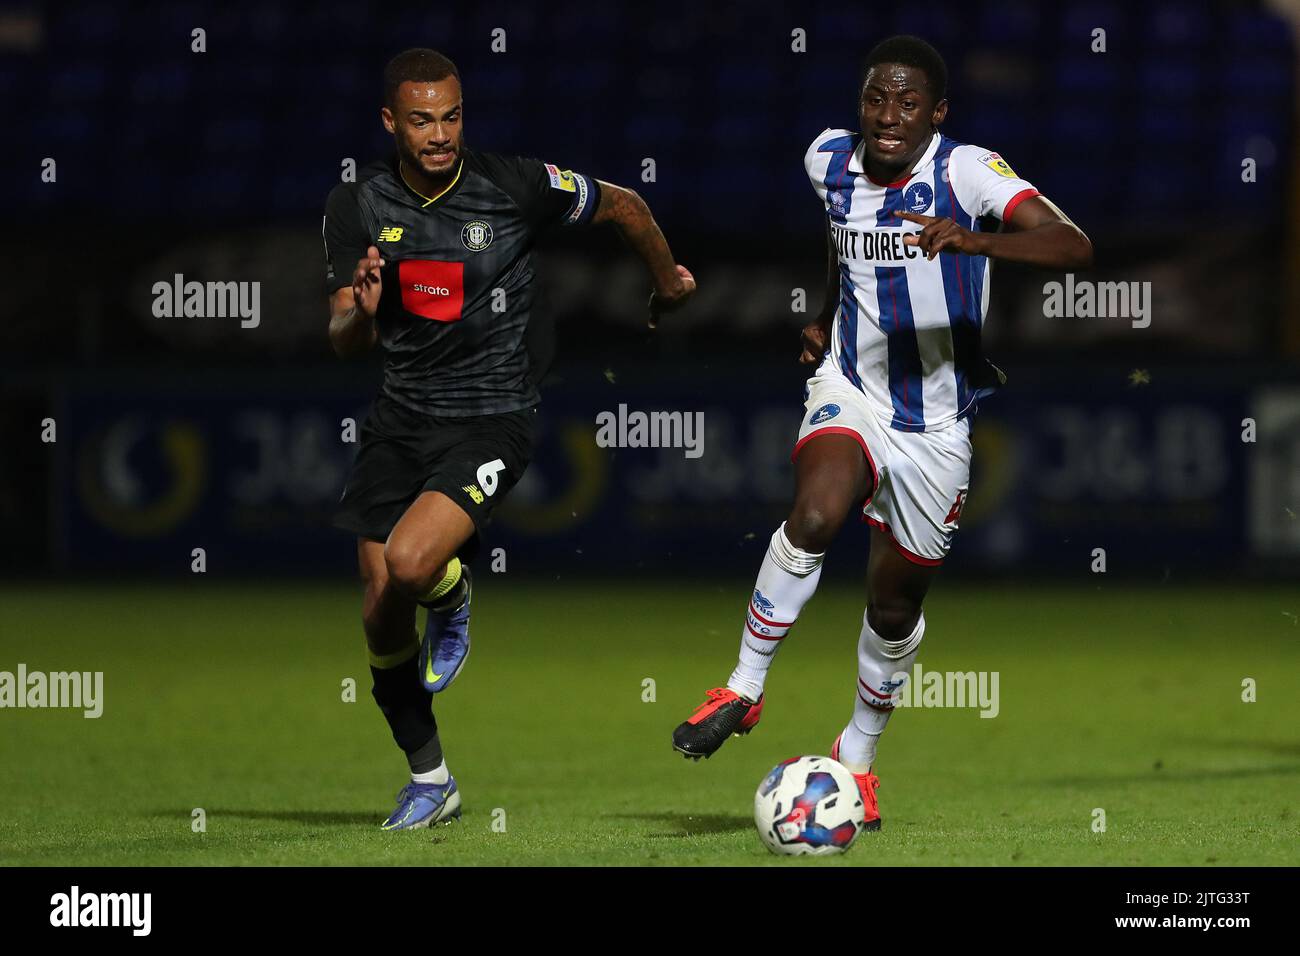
(434, 290)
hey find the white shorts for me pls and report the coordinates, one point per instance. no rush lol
(920, 478)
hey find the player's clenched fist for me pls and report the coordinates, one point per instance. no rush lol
(815, 339)
(940, 235)
(673, 296)
(367, 284)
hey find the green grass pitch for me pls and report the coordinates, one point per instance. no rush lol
(229, 698)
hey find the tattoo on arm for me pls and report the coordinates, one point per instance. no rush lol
(629, 212)
(617, 205)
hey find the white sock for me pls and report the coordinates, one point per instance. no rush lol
(878, 661)
(438, 774)
(786, 581)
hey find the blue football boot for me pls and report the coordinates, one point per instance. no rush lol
(422, 804)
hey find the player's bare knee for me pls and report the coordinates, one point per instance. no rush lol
(893, 620)
(412, 570)
(812, 527)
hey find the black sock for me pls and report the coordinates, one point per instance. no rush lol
(406, 706)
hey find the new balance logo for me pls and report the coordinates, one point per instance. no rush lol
(474, 493)
(390, 234)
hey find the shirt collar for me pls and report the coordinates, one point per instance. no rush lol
(442, 193)
(856, 161)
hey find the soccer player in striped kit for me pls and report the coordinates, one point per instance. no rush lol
(899, 372)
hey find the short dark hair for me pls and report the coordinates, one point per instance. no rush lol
(418, 64)
(911, 51)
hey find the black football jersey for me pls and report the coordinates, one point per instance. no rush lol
(458, 275)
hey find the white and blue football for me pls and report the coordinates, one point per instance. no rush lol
(808, 806)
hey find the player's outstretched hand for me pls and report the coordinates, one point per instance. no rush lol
(939, 235)
(672, 299)
(816, 340)
(367, 284)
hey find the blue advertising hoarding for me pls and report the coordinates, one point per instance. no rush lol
(249, 470)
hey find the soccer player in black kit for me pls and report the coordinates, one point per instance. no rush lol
(429, 253)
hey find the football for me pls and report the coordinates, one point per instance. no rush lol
(808, 806)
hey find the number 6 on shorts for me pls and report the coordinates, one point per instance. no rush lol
(487, 475)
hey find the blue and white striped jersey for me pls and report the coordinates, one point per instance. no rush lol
(907, 330)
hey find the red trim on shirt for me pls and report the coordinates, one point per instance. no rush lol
(1016, 200)
(898, 185)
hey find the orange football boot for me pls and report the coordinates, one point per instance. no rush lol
(867, 784)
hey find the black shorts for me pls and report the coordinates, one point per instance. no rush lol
(473, 461)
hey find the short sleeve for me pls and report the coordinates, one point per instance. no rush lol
(547, 195)
(810, 155)
(985, 183)
(822, 149)
(345, 236)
